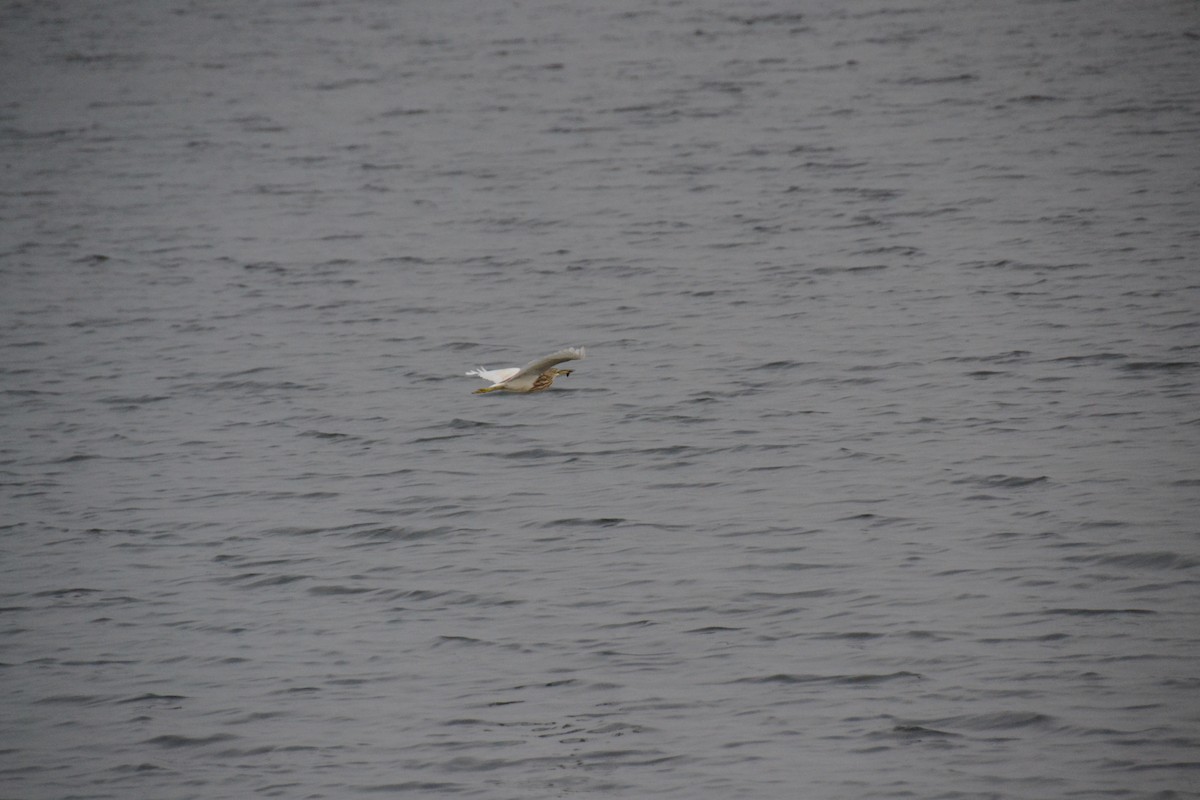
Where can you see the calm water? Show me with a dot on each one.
(879, 481)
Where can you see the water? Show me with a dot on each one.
(879, 480)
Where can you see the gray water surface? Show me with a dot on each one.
(879, 480)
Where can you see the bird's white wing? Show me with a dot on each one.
(546, 362)
(495, 375)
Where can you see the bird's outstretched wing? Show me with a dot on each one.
(546, 362)
(495, 375)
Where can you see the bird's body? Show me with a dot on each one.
(533, 377)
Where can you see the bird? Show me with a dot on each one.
(535, 376)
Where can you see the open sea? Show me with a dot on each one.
(881, 478)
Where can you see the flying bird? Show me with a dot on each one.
(533, 377)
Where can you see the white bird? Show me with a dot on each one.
(533, 377)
